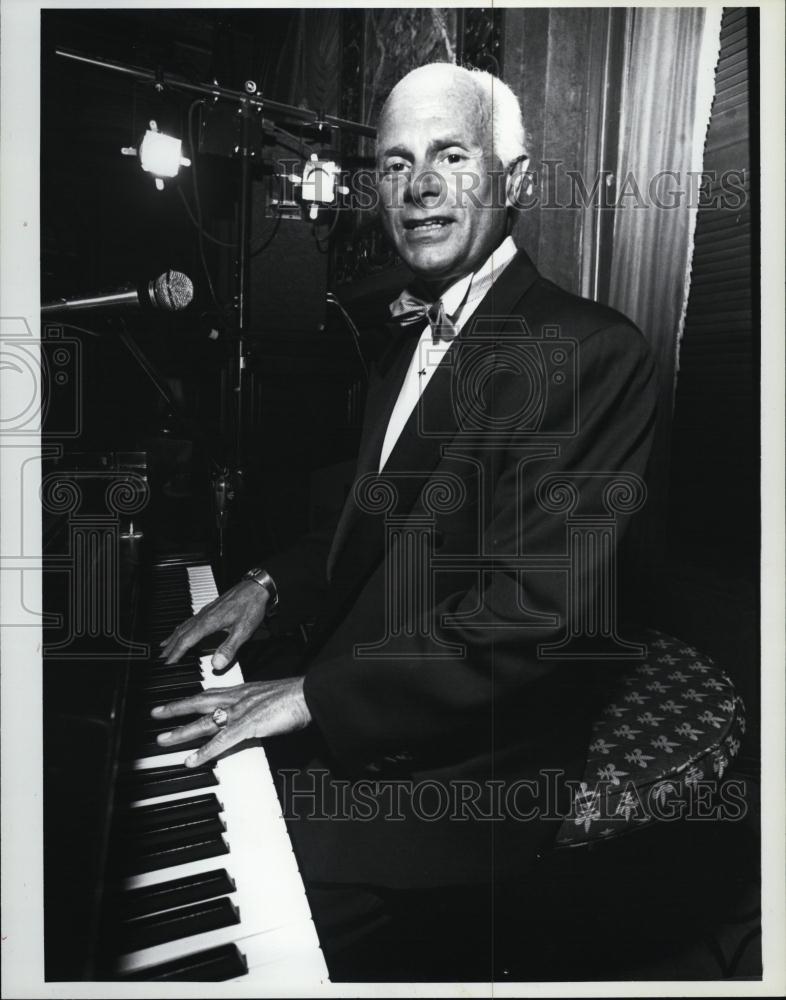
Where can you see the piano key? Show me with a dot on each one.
(199, 806)
(152, 748)
(176, 892)
(152, 725)
(170, 855)
(182, 922)
(214, 965)
(293, 948)
(184, 946)
(227, 678)
(163, 756)
(170, 832)
(155, 800)
(163, 693)
(191, 869)
(136, 785)
(161, 675)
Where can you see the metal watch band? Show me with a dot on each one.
(264, 579)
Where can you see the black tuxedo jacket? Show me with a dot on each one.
(427, 670)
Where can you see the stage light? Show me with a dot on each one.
(160, 155)
(318, 184)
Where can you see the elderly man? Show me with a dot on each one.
(439, 670)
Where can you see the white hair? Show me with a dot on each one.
(494, 97)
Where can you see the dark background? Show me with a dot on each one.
(104, 223)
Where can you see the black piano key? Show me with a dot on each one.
(153, 726)
(150, 782)
(182, 922)
(170, 598)
(172, 612)
(160, 673)
(136, 820)
(170, 692)
(214, 965)
(168, 855)
(199, 806)
(151, 748)
(181, 832)
(156, 663)
(175, 892)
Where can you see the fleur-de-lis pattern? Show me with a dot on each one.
(686, 729)
(638, 756)
(636, 698)
(648, 719)
(610, 773)
(663, 743)
(643, 747)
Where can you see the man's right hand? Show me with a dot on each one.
(239, 611)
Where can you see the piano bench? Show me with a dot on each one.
(670, 730)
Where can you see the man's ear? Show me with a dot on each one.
(518, 183)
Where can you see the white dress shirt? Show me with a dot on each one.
(459, 301)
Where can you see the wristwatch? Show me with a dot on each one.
(264, 579)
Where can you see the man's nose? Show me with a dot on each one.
(426, 187)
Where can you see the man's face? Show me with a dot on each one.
(442, 196)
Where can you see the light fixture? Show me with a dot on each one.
(160, 155)
(317, 185)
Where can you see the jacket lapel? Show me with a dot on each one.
(383, 391)
(429, 430)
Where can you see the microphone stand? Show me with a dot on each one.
(221, 487)
(227, 483)
(243, 302)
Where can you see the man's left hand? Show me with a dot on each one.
(258, 709)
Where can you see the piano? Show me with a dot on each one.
(154, 871)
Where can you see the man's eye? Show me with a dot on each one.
(396, 167)
(454, 158)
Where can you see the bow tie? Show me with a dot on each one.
(408, 309)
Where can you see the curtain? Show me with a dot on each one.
(666, 104)
(667, 98)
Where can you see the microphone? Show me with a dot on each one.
(170, 291)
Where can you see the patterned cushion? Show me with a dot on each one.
(669, 732)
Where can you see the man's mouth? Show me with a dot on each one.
(424, 225)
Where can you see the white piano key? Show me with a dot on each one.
(288, 952)
(173, 759)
